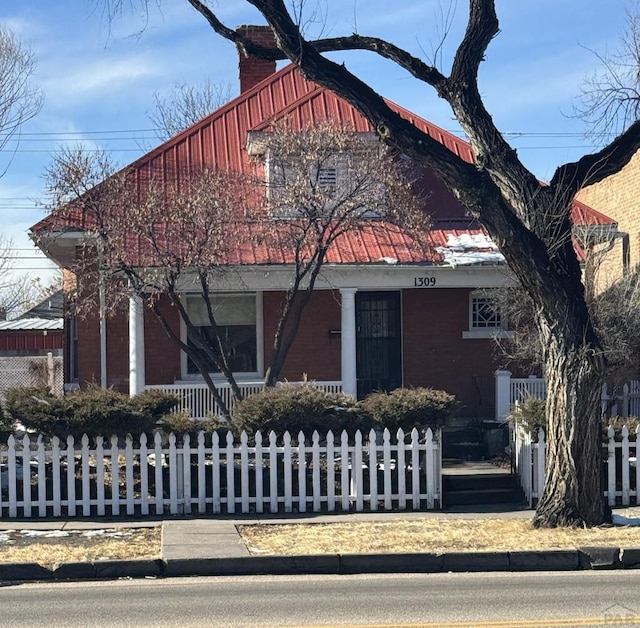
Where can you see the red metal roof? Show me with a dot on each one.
(219, 140)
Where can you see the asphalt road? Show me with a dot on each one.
(504, 599)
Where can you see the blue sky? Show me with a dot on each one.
(99, 78)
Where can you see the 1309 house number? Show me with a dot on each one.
(424, 282)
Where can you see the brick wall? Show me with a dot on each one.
(88, 330)
(162, 361)
(617, 197)
(162, 354)
(435, 354)
(314, 353)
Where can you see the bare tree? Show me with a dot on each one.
(17, 290)
(529, 221)
(19, 99)
(185, 105)
(610, 97)
(153, 236)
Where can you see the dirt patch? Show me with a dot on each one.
(52, 547)
(427, 535)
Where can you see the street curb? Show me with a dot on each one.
(583, 558)
(599, 557)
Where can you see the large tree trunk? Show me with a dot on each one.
(573, 493)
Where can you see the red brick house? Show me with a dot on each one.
(382, 315)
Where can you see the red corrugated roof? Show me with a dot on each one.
(219, 141)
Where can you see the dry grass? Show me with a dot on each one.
(427, 535)
(78, 547)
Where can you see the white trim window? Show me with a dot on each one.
(485, 319)
(236, 315)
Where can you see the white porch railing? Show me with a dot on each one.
(512, 390)
(197, 398)
(621, 470)
(111, 478)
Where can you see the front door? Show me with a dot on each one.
(378, 342)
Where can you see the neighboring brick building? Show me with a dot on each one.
(383, 314)
(618, 196)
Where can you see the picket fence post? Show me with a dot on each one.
(315, 471)
(373, 470)
(259, 465)
(400, 465)
(626, 485)
(611, 466)
(302, 473)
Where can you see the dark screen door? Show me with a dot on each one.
(378, 342)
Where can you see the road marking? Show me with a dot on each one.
(523, 623)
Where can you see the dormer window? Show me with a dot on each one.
(319, 174)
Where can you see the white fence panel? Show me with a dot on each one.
(86, 478)
(620, 469)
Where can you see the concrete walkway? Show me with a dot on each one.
(212, 546)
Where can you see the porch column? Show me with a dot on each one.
(136, 345)
(503, 394)
(348, 341)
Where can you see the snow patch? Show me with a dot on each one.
(49, 534)
(469, 249)
(621, 520)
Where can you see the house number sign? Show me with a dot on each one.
(424, 282)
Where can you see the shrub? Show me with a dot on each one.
(155, 403)
(618, 422)
(36, 408)
(180, 423)
(407, 408)
(93, 411)
(295, 407)
(530, 413)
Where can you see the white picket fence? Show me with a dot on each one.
(198, 400)
(45, 478)
(513, 390)
(620, 455)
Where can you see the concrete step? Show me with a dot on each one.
(485, 496)
(464, 450)
(479, 482)
(466, 443)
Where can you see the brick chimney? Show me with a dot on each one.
(252, 69)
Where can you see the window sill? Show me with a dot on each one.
(479, 334)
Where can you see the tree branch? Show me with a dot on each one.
(595, 167)
(481, 29)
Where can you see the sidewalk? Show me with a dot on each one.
(208, 546)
